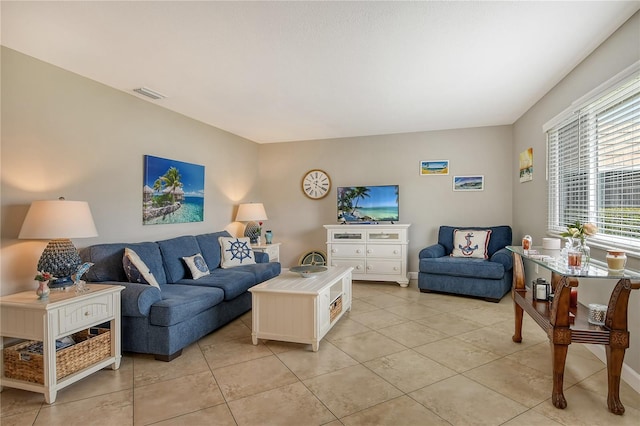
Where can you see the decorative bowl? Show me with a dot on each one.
(308, 271)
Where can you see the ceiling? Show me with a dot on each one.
(285, 71)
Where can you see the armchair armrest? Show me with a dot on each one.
(261, 257)
(136, 299)
(503, 256)
(434, 251)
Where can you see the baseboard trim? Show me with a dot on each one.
(413, 275)
(629, 375)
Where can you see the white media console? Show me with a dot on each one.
(375, 252)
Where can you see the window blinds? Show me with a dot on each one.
(594, 165)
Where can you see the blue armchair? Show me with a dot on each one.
(487, 278)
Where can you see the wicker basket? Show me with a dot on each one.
(29, 367)
(335, 309)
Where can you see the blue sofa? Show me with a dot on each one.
(162, 321)
(487, 278)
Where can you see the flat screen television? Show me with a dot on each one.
(378, 203)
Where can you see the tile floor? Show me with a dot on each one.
(400, 357)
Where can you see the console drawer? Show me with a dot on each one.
(393, 251)
(346, 236)
(347, 250)
(356, 264)
(385, 267)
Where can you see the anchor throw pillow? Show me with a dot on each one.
(472, 243)
(196, 265)
(236, 252)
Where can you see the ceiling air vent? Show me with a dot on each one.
(149, 93)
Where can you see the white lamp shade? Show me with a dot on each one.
(251, 212)
(55, 219)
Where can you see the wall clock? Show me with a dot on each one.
(316, 184)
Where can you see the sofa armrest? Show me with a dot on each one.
(503, 256)
(261, 257)
(433, 251)
(136, 299)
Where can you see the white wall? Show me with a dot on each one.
(65, 135)
(425, 201)
(529, 199)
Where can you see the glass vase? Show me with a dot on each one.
(579, 254)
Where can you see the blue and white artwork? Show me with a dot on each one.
(172, 191)
(468, 183)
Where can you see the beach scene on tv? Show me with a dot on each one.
(368, 203)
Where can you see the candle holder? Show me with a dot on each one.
(541, 289)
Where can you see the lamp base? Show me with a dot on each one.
(61, 283)
(252, 231)
(61, 259)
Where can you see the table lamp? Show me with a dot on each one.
(251, 212)
(59, 220)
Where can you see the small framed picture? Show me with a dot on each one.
(434, 167)
(468, 183)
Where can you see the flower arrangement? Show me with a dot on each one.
(44, 276)
(580, 230)
(259, 229)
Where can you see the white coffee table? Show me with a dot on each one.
(290, 308)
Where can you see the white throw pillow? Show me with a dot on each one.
(471, 243)
(136, 270)
(236, 252)
(197, 266)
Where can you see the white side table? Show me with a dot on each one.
(24, 316)
(273, 250)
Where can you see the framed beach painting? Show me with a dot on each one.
(468, 183)
(172, 191)
(526, 165)
(434, 167)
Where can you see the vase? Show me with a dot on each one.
(578, 255)
(43, 290)
(269, 237)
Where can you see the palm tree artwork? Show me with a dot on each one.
(178, 191)
(170, 182)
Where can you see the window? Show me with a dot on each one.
(594, 165)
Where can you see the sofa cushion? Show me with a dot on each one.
(173, 250)
(197, 266)
(233, 282)
(136, 270)
(182, 302)
(236, 252)
(462, 267)
(261, 271)
(107, 259)
(210, 247)
(471, 243)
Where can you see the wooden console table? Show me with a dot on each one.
(554, 317)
